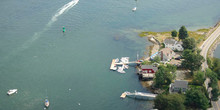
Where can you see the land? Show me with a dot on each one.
(206, 40)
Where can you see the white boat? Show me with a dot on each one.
(134, 9)
(126, 66)
(46, 103)
(120, 70)
(141, 95)
(12, 91)
(116, 60)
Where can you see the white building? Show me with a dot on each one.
(173, 44)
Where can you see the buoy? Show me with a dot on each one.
(64, 29)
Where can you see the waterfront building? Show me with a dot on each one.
(173, 44)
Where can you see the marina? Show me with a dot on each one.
(121, 64)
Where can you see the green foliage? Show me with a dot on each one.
(193, 60)
(196, 99)
(214, 83)
(189, 43)
(174, 33)
(170, 102)
(146, 62)
(198, 78)
(156, 59)
(183, 33)
(216, 66)
(163, 76)
(215, 94)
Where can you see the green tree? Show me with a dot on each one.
(174, 33)
(156, 59)
(216, 66)
(198, 78)
(170, 102)
(215, 94)
(213, 83)
(163, 76)
(183, 33)
(196, 99)
(189, 43)
(192, 60)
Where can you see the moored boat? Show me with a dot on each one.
(12, 91)
(46, 103)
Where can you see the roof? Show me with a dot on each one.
(149, 67)
(167, 51)
(180, 84)
(171, 41)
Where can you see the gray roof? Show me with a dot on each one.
(172, 41)
(180, 84)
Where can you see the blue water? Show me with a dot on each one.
(35, 56)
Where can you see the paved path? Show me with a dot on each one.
(207, 43)
(205, 47)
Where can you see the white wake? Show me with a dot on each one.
(59, 12)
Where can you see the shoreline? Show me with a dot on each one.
(155, 39)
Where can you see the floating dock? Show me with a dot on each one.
(139, 95)
(113, 65)
(123, 95)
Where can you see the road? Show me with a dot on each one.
(205, 47)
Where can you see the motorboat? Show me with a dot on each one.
(46, 103)
(134, 9)
(12, 91)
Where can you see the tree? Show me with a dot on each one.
(174, 33)
(216, 66)
(213, 83)
(192, 60)
(215, 94)
(196, 99)
(183, 33)
(163, 76)
(198, 78)
(170, 102)
(156, 59)
(189, 43)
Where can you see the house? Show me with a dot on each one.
(178, 85)
(173, 44)
(147, 72)
(166, 54)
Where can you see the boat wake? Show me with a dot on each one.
(59, 12)
(62, 10)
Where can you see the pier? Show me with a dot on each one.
(124, 62)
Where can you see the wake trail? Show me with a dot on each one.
(59, 12)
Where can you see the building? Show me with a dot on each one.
(173, 44)
(178, 85)
(166, 54)
(147, 72)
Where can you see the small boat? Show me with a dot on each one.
(46, 103)
(12, 91)
(134, 9)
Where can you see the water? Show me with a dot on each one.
(36, 56)
(217, 52)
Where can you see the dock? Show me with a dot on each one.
(113, 65)
(123, 95)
